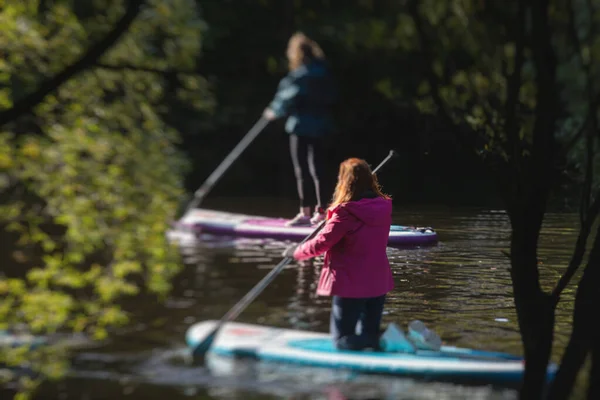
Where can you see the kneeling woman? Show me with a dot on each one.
(356, 270)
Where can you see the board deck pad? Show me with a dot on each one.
(226, 223)
(316, 349)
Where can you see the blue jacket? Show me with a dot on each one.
(305, 96)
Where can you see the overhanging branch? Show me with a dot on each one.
(141, 68)
(28, 102)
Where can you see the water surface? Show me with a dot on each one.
(459, 287)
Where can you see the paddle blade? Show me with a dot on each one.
(199, 351)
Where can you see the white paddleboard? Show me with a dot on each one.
(316, 349)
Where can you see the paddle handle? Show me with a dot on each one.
(391, 155)
(206, 187)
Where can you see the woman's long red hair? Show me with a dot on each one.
(354, 179)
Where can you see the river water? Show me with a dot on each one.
(459, 287)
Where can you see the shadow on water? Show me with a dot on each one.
(459, 287)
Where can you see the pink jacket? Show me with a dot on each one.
(354, 241)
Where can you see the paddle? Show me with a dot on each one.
(201, 193)
(204, 345)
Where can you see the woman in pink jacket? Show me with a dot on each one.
(356, 271)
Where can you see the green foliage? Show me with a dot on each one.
(579, 76)
(456, 58)
(471, 54)
(89, 184)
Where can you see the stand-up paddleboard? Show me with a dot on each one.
(9, 339)
(317, 350)
(225, 223)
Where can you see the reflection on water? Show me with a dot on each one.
(460, 287)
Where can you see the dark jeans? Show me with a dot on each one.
(355, 323)
(308, 159)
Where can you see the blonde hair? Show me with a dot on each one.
(301, 50)
(355, 177)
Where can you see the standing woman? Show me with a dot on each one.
(305, 96)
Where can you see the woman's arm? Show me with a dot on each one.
(286, 97)
(340, 223)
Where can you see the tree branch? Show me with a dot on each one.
(541, 171)
(587, 213)
(27, 103)
(514, 87)
(591, 117)
(569, 146)
(139, 68)
(580, 247)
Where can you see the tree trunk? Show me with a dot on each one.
(571, 363)
(589, 302)
(535, 309)
(535, 313)
(584, 335)
(594, 377)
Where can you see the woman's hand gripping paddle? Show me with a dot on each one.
(202, 347)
